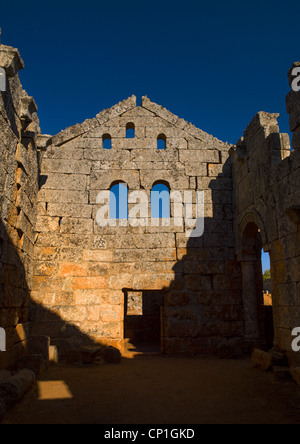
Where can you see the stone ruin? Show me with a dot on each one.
(67, 280)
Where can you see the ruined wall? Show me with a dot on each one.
(266, 193)
(76, 276)
(81, 270)
(18, 191)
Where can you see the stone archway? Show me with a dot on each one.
(252, 239)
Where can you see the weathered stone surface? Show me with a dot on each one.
(74, 274)
(262, 360)
(40, 345)
(14, 388)
(10, 60)
(112, 355)
(19, 171)
(53, 355)
(89, 354)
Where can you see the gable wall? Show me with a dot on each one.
(81, 269)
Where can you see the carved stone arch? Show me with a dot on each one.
(252, 236)
(253, 217)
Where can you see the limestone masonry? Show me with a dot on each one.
(64, 277)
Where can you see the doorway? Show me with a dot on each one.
(268, 300)
(142, 321)
(259, 327)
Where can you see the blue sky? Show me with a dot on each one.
(215, 64)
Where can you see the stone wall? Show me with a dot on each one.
(82, 270)
(267, 195)
(18, 190)
(76, 275)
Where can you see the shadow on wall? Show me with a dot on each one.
(201, 309)
(17, 310)
(14, 298)
(206, 315)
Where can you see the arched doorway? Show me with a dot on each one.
(259, 329)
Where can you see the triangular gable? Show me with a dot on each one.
(124, 107)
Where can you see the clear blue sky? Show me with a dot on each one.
(214, 63)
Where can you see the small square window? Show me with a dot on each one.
(107, 145)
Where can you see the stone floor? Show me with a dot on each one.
(160, 390)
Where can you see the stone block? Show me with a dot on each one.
(157, 255)
(100, 181)
(111, 314)
(10, 60)
(76, 226)
(93, 313)
(153, 282)
(90, 353)
(69, 210)
(71, 182)
(50, 284)
(63, 196)
(66, 166)
(68, 151)
(73, 270)
(97, 256)
(175, 298)
(47, 224)
(112, 356)
(90, 283)
(262, 360)
(200, 156)
(14, 388)
(196, 169)
(193, 282)
(40, 345)
(53, 355)
(175, 179)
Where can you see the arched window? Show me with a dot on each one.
(130, 131)
(118, 203)
(107, 141)
(160, 201)
(161, 142)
